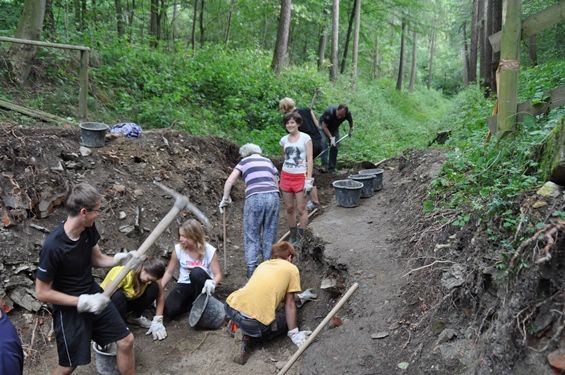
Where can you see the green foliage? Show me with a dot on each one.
(483, 180)
(535, 81)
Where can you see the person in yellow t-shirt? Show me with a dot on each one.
(253, 308)
(137, 291)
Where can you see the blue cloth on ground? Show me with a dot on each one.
(128, 129)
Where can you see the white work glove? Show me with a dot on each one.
(308, 185)
(332, 141)
(350, 132)
(209, 287)
(92, 303)
(122, 258)
(298, 337)
(224, 203)
(157, 328)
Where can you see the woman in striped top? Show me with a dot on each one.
(261, 209)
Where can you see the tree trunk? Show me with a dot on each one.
(282, 36)
(400, 78)
(357, 8)
(376, 69)
(94, 13)
(413, 67)
(472, 74)
(119, 18)
(174, 21)
(78, 22)
(532, 50)
(130, 17)
(509, 67)
(465, 55)
(193, 31)
(484, 67)
(431, 58)
(154, 23)
(83, 14)
(201, 22)
(488, 48)
(29, 27)
(49, 25)
(496, 27)
(335, 39)
(322, 47)
(228, 26)
(347, 37)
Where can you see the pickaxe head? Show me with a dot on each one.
(182, 203)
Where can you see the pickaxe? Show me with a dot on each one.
(327, 148)
(181, 203)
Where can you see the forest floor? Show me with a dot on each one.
(396, 322)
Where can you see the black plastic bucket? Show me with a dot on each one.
(206, 313)
(378, 172)
(368, 181)
(93, 134)
(347, 192)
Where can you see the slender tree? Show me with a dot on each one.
(509, 67)
(335, 39)
(357, 7)
(532, 50)
(322, 46)
(482, 41)
(282, 36)
(119, 18)
(412, 83)
(496, 27)
(154, 23)
(29, 27)
(431, 58)
(488, 73)
(465, 54)
(201, 23)
(193, 31)
(347, 37)
(400, 78)
(49, 22)
(472, 73)
(228, 25)
(376, 56)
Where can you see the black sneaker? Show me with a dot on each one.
(241, 351)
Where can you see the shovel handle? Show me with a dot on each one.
(225, 244)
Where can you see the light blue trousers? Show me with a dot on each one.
(260, 220)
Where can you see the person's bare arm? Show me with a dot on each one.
(45, 293)
(309, 159)
(216, 270)
(232, 179)
(160, 299)
(315, 119)
(101, 260)
(290, 311)
(170, 269)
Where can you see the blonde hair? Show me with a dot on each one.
(286, 105)
(193, 230)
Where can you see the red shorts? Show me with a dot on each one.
(292, 182)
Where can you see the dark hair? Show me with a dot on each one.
(292, 115)
(282, 250)
(343, 106)
(154, 267)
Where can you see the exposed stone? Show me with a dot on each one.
(549, 189)
(85, 151)
(557, 359)
(25, 298)
(453, 278)
(446, 335)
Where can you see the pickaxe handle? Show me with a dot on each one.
(181, 203)
(339, 140)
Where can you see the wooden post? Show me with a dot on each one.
(83, 93)
(509, 67)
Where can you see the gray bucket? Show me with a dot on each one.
(347, 192)
(93, 134)
(206, 313)
(105, 359)
(378, 172)
(368, 181)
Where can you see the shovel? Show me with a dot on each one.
(225, 245)
(339, 140)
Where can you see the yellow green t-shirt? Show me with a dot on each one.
(268, 286)
(126, 284)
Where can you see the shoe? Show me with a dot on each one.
(241, 351)
(140, 321)
(232, 328)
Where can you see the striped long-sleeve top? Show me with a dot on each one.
(259, 174)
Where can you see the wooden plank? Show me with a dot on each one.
(43, 44)
(83, 92)
(45, 116)
(535, 23)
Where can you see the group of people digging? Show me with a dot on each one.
(82, 312)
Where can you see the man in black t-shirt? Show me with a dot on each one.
(330, 121)
(64, 278)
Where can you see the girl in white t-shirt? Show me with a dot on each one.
(199, 269)
(296, 176)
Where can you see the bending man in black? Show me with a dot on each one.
(330, 121)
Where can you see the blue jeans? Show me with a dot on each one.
(261, 211)
(332, 162)
(255, 329)
(325, 143)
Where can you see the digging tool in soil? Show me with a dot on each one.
(225, 244)
(181, 203)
